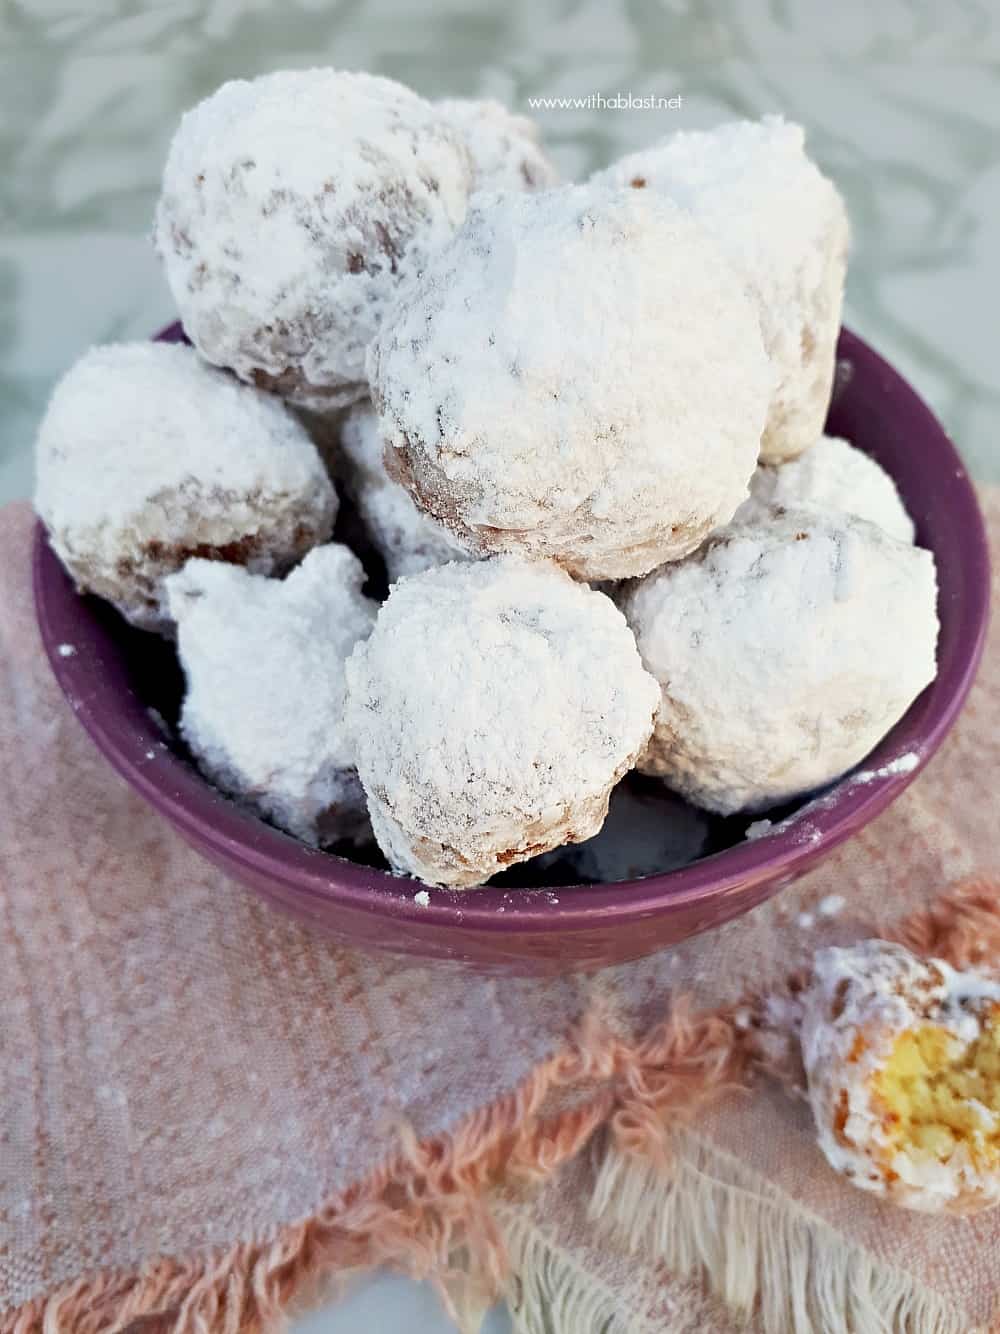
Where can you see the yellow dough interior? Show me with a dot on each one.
(939, 1092)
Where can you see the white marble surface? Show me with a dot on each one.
(388, 1304)
(901, 99)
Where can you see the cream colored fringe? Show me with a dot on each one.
(550, 1293)
(711, 1219)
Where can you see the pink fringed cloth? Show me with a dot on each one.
(208, 1116)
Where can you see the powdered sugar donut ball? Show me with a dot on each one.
(506, 150)
(264, 708)
(494, 708)
(902, 1057)
(408, 540)
(577, 375)
(147, 456)
(784, 227)
(291, 207)
(833, 476)
(785, 650)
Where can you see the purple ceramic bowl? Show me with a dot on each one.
(117, 676)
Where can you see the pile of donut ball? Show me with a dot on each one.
(582, 425)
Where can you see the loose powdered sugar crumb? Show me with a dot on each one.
(905, 764)
(161, 724)
(831, 905)
(800, 820)
(66, 650)
(422, 897)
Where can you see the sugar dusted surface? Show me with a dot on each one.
(579, 375)
(505, 149)
(832, 475)
(862, 998)
(408, 540)
(493, 708)
(146, 453)
(802, 821)
(292, 206)
(786, 650)
(784, 227)
(264, 664)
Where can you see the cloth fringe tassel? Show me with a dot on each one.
(551, 1294)
(427, 1213)
(713, 1221)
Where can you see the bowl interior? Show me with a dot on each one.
(125, 687)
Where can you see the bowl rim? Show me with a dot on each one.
(241, 839)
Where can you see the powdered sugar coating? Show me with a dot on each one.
(264, 663)
(147, 456)
(784, 227)
(506, 149)
(577, 375)
(831, 475)
(862, 998)
(408, 540)
(786, 649)
(494, 707)
(292, 206)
